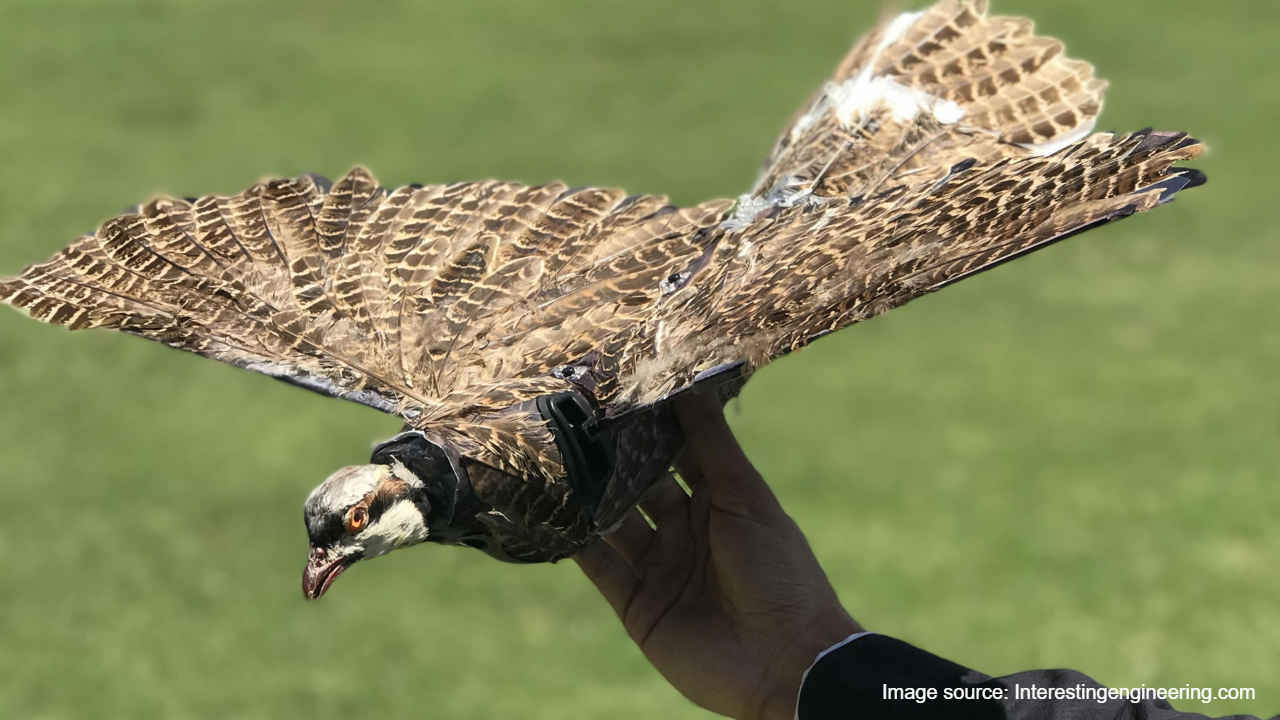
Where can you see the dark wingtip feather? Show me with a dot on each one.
(1187, 141)
(1178, 180)
(1195, 177)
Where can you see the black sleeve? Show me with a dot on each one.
(876, 676)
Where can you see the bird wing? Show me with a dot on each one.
(438, 302)
(947, 142)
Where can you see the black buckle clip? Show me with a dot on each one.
(586, 448)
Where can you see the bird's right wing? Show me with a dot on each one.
(445, 304)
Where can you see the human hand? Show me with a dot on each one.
(725, 597)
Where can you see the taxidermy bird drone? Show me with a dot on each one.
(532, 337)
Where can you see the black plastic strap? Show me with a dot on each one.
(587, 450)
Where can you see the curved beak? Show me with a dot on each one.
(323, 567)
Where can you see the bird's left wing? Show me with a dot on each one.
(948, 141)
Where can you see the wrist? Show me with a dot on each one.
(776, 699)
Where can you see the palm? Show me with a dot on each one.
(724, 597)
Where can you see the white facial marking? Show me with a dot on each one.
(404, 473)
(400, 525)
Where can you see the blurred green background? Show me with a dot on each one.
(1070, 461)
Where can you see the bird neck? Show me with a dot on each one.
(445, 491)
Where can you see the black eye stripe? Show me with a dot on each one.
(378, 506)
(328, 533)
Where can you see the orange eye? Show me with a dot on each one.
(357, 518)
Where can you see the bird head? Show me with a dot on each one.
(361, 511)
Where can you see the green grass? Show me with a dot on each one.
(1070, 461)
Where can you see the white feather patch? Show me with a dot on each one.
(858, 97)
(896, 29)
(892, 33)
(748, 207)
(863, 93)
